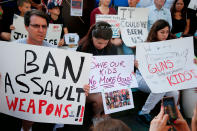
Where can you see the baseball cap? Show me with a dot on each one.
(52, 5)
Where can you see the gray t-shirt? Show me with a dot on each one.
(24, 41)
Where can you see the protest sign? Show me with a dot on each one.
(71, 38)
(76, 8)
(133, 25)
(53, 34)
(113, 20)
(115, 71)
(193, 4)
(43, 84)
(19, 31)
(168, 65)
(117, 100)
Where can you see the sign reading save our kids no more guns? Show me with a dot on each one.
(43, 84)
(168, 65)
(115, 71)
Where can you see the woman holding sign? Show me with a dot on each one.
(160, 31)
(103, 9)
(97, 42)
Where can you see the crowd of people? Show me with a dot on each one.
(167, 19)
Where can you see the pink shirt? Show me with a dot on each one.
(97, 11)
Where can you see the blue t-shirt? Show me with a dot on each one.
(24, 41)
(97, 3)
(155, 14)
(121, 3)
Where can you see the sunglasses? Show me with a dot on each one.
(36, 26)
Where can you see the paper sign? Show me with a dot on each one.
(113, 71)
(117, 100)
(19, 31)
(133, 25)
(193, 4)
(113, 20)
(43, 84)
(168, 65)
(76, 7)
(53, 34)
(71, 38)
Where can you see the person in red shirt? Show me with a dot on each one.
(102, 9)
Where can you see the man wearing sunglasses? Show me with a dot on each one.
(36, 23)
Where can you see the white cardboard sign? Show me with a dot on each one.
(113, 20)
(71, 38)
(20, 31)
(193, 4)
(43, 84)
(168, 65)
(115, 71)
(76, 8)
(53, 34)
(133, 25)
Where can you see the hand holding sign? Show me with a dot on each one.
(195, 61)
(61, 42)
(86, 88)
(18, 28)
(12, 27)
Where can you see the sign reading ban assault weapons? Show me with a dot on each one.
(43, 84)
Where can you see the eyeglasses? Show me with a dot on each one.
(36, 26)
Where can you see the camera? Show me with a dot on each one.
(170, 109)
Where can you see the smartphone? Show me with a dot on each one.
(170, 109)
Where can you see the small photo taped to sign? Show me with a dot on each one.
(71, 39)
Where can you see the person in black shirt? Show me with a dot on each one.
(180, 20)
(97, 42)
(8, 8)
